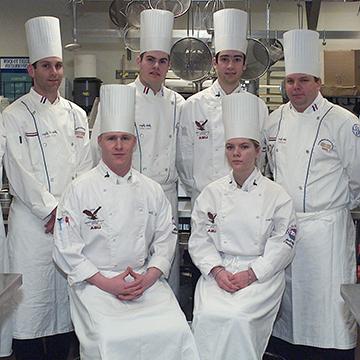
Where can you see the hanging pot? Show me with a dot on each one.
(177, 7)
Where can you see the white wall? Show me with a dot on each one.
(109, 51)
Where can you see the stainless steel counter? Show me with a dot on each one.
(9, 283)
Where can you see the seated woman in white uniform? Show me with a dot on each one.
(115, 239)
(243, 237)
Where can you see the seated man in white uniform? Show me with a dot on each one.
(314, 152)
(157, 112)
(115, 239)
(200, 153)
(242, 239)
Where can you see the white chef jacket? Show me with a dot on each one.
(239, 228)
(201, 155)
(315, 156)
(47, 146)
(107, 223)
(5, 311)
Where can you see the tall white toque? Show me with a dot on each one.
(43, 38)
(156, 30)
(230, 30)
(302, 52)
(240, 113)
(117, 108)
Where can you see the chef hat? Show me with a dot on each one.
(230, 30)
(240, 113)
(302, 52)
(117, 108)
(156, 30)
(43, 38)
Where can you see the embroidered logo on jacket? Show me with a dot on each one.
(80, 132)
(93, 221)
(91, 214)
(31, 134)
(49, 133)
(201, 132)
(356, 130)
(211, 226)
(290, 236)
(326, 145)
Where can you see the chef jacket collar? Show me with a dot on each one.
(146, 90)
(219, 92)
(314, 107)
(250, 183)
(112, 177)
(42, 99)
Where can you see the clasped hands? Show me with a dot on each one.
(125, 288)
(232, 282)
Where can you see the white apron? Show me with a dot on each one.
(106, 326)
(323, 259)
(235, 326)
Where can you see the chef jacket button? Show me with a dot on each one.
(73, 178)
(170, 136)
(166, 169)
(300, 187)
(110, 214)
(258, 217)
(72, 144)
(141, 210)
(45, 144)
(141, 135)
(277, 150)
(307, 151)
(318, 117)
(52, 179)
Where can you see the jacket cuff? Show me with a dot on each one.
(82, 272)
(262, 269)
(161, 263)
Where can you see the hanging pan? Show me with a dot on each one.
(257, 60)
(133, 10)
(132, 38)
(191, 58)
(117, 13)
(177, 7)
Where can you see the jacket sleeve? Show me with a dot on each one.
(83, 152)
(95, 149)
(280, 246)
(185, 147)
(202, 248)
(348, 138)
(19, 170)
(162, 247)
(69, 245)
